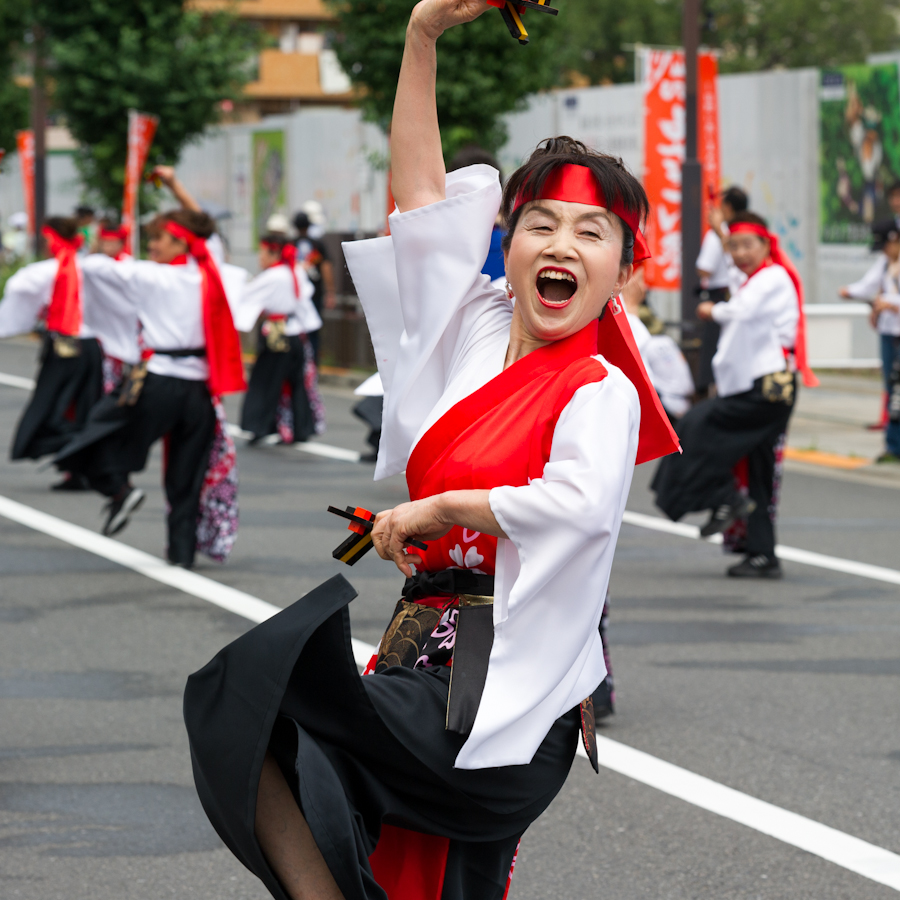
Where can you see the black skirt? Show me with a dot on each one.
(715, 435)
(67, 387)
(271, 371)
(357, 752)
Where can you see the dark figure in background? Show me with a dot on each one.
(313, 255)
(714, 266)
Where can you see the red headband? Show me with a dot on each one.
(223, 346)
(578, 184)
(114, 234)
(750, 228)
(783, 260)
(287, 257)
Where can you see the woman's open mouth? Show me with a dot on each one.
(556, 287)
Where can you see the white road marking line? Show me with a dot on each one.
(861, 857)
(794, 554)
(16, 381)
(312, 447)
(654, 523)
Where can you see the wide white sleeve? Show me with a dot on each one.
(216, 249)
(711, 252)
(27, 292)
(423, 292)
(112, 275)
(306, 312)
(234, 280)
(748, 303)
(869, 286)
(552, 575)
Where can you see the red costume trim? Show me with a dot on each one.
(576, 184)
(288, 257)
(782, 259)
(223, 346)
(64, 314)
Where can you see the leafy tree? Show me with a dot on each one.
(763, 34)
(596, 32)
(108, 56)
(482, 71)
(13, 99)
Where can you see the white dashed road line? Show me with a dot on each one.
(861, 857)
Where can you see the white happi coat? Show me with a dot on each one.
(440, 332)
(272, 292)
(759, 323)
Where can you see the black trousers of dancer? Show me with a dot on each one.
(270, 371)
(67, 387)
(715, 435)
(117, 441)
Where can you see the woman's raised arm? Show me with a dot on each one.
(417, 163)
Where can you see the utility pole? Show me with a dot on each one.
(691, 174)
(39, 126)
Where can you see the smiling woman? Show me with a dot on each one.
(518, 417)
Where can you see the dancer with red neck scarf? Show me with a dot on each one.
(761, 352)
(191, 356)
(518, 426)
(283, 396)
(78, 328)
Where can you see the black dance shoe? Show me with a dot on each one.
(119, 510)
(722, 517)
(759, 566)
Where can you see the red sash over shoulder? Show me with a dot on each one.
(499, 435)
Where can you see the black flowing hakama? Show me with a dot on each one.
(715, 435)
(271, 372)
(70, 382)
(116, 441)
(357, 752)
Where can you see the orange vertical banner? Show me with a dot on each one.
(664, 129)
(664, 133)
(141, 129)
(25, 148)
(708, 126)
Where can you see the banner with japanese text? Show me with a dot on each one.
(141, 129)
(25, 148)
(664, 134)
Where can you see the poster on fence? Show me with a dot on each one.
(859, 149)
(664, 135)
(269, 179)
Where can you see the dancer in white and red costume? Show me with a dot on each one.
(191, 357)
(518, 426)
(283, 395)
(761, 350)
(81, 328)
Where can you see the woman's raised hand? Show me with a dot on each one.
(434, 17)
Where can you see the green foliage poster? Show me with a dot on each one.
(269, 181)
(859, 149)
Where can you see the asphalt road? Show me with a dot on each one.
(788, 691)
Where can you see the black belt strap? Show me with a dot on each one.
(182, 354)
(448, 582)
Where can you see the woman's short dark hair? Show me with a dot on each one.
(736, 198)
(751, 218)
(275, 238)
(65, 226)
(616, 183)
(199, 223)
